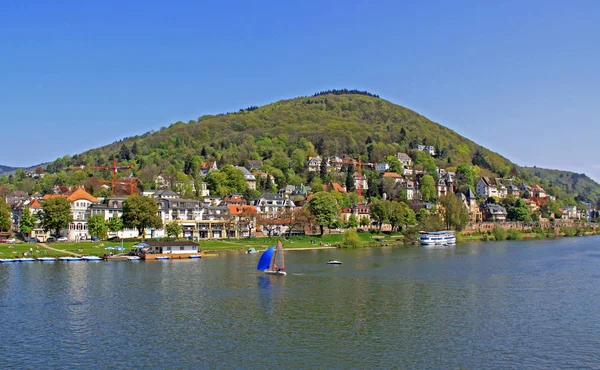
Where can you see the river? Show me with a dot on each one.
(529, 304)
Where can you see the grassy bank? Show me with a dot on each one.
(36, 250)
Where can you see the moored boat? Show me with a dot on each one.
(437, 238)
(162, 258)
(46, 259)
(91, 258)
(69, 259)
(195, 256)
(24, 259)
(6, 260)
(133, 258)
(252, 251)
(334, 262)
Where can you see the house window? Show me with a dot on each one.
(180, 248)
(168, 248)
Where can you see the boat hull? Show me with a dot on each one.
(334, 262)
(270, 272)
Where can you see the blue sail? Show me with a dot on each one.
(265, 260)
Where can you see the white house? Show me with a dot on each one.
(404, 159)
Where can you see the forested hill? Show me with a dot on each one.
(577, 185)
(327, 123)
(285, 133)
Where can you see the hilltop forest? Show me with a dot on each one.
(286, 133)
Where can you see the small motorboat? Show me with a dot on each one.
(162, 258)
(91, 258)
(195, 256)
(334, 262)
(133, 258)
(25, 259)
(70, 259)
(252, 251)
(46, 259)
(6, 260)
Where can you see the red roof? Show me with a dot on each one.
(80, 193)
(392, 175)
(35, 204)
(238, 210)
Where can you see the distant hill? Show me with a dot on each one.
(4, 169)
(580, 186)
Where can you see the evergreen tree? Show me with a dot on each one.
(349, 181)
(124, 152)
(323, 169)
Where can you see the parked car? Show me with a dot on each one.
(3, 240)
(11, 240)
(62, 239)
(94, 238)
(51, 239)
(33, 240)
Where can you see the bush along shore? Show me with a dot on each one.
(500, 234)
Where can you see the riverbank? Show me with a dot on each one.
(294, 243)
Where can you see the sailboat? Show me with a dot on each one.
(271, 261)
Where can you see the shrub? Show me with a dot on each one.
(513, 234)
(569, 231)
(499, 233)
(350, 239)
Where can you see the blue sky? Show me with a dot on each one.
(519, 77)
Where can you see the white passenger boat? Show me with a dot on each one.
(437, 238)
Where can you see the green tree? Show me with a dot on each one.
(97, 226)
(115, 224)
(56, 214)
(173, 229)
(182, 185)
(456, 214)
(400, 215)
(5, 221)
(380, 211)
(428, 190)
(464, 178)
(352, 221)
(141, 213)
(395, 164)
(27, 222)
(325, 208)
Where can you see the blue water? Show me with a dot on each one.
(531, 304)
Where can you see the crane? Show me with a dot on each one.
(113, 169)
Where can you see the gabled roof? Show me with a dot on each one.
(35, 204)
(79, 194)
(470, 195)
